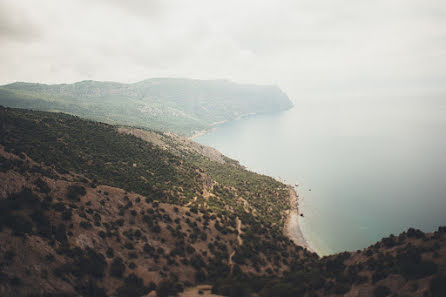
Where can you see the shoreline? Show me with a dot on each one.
(292, 228)
(200, 133)
(214, 125)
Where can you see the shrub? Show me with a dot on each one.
(381, 291)
(66, 215)
(438, 286)
(74, 192)
(411, 232)
(148, 249)
(117, 268)
(91, 289)
(165, 288)
(94, 264)
(42, 185)
(133, 287)
(85, 225)
(102, 234)
(110, 253)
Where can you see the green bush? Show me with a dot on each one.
(133, 287)
(117, 268)
(438, 286)
(74, 192)
(381, 291)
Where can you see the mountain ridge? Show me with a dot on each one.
(182, 106)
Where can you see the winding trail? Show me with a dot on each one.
(239, 241)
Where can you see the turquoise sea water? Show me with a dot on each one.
(365, 167)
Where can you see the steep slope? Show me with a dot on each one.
(89, 209)
(76, 192)
(182, 106)
(410, 264)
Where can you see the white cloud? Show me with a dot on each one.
(303, 46)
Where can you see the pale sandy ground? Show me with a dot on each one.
(292, 227)
(200, 133)
(194, 292)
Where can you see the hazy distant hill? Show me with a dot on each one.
(182, 106)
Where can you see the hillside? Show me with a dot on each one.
(113, 190)
(90, 209)
(182, 106)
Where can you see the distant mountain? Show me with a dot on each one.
(182, 106)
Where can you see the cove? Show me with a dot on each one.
(365, 167)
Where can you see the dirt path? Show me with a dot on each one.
(239, 231)
(239, 241)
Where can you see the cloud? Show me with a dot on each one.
(303, 46)
(15, 25)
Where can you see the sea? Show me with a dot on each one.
(363, 167)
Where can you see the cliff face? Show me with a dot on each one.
(182, 106)
(89, 209)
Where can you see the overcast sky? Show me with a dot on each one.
(303, 46)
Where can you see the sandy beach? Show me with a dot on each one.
(292, 227)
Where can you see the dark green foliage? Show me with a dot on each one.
(8, 257)
(85, 225)
(66, 215)
(381, 291)
(60, 294)
(110, 252)
(74, 192)
(166, 288)
(240, 289)
(117, 268)
(411, 266)
(389, 242)
(438, 286)
(200, 276)
(133, 287)
(148, 249)
(42, 185)
(22, 212)
(415, 233)
(91, 289)
(85, 262)
(89, 146)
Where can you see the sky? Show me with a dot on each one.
(303, 46)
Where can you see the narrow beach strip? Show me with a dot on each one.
(292, 227)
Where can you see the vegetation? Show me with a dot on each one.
(109, 214)
(98, 152)
(163, 104)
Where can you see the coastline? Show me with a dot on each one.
(214, 125)
(292, 228)
(200, 133)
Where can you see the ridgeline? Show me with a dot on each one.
(182, 106)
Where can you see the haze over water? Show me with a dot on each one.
(366, 167)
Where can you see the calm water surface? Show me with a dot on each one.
(366, 167)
